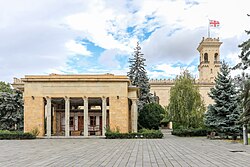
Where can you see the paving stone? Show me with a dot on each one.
(169, 151)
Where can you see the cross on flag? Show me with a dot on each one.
(214, 23)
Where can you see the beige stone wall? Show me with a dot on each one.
(34, 114)
(162, 90)
(118, 113)
(117, 91)
(76, 89)
(208, 69)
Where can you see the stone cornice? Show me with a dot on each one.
(75, 78)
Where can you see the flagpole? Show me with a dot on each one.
(208, 29)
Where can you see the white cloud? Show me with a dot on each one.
(36, 37)
(109, 59)
(170, 71)
(77, 48)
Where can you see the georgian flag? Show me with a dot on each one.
(214, 23)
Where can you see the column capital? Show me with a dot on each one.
(48, 98)
(66, 98)
(84, 97)
(134, 100)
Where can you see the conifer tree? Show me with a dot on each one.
(223, 116)
(138, 77)
(11, 110)
(245, 53)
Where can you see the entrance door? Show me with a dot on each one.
(80, 123)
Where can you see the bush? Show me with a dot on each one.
(143, 134)
(10, 135)
(190, 132)
(150, 116)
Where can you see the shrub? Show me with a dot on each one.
(10, 135)
(143, 134)
(190, 132)
(150, 116)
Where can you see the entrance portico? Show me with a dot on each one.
(78, 105)
(70, 120)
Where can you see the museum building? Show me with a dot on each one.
(88, 105)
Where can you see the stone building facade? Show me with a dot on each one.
(78, 105)
(209, 66)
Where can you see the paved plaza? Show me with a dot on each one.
(169, 151)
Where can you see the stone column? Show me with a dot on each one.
(67, 114)
(48, 122)
(134, 114)
(86, 116)
(104, 115)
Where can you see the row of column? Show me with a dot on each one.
(67, 116)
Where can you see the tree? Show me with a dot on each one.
(223, 116)
(5, 87)
(166, 116)
(150, 116)
(138, 77)
(186, 105)
(244, 64)
(245, 96)
(245, 53)
(11, 111)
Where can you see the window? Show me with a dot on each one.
(216, 57)
(206, 57)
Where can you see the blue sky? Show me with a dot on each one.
(98, 36)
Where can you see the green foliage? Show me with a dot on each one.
(11, 111)
(166, 116)
(244, 56)
(143, 134)
(245, 97)
(5, 87)
(10, 135)
(224, 115)
(186, 105)
(138, 77)
(150, 116)
(190, 132)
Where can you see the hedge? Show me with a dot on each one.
(11, 135)
(148, 134)
(190, 132)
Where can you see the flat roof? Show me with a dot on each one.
(76, 77)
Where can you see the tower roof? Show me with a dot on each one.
(209, 42)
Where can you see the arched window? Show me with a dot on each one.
(206, 57)
(216, 57)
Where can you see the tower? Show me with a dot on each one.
(209, 66)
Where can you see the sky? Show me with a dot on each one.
(99, 36)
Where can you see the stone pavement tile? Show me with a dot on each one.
(170, 151)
